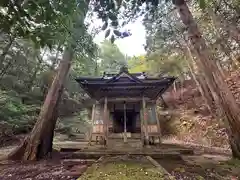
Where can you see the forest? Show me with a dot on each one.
(45, 45)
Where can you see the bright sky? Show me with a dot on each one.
(132, 45)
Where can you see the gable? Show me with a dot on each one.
(124, 77)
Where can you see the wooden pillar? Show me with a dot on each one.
(125, 123)
(142, 127)
(158, 123)
(93, 120)
(145, 121)
(105, 116)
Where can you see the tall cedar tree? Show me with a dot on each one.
(213, 76)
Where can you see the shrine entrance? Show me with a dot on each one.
(118, 121)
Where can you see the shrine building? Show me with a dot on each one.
(125, 105)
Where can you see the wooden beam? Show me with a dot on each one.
(131, 87)
(145, 120)
(142, 126)
(127, 99)
(158, 123)
(125, 123)
(105, 116)
(161, 82)
(93, 119)
(124, 95)
(150, 93)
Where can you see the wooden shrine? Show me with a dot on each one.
(125, 104)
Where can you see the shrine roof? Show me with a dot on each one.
(125, 84)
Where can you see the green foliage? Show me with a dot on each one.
(44, 22)
(15, 115)
(77, 123)
(111, 58)
(202, 3)
(174, 65)
(33, 36)
(138, 64)
(24, 84)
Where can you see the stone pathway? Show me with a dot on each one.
(125, 168)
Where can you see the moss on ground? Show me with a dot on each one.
(232, 162)
(122, 171)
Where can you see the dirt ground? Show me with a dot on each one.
(203, 168)
(42, 170)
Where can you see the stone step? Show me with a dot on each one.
(120, 135)
(121, 144)
(125, 145)
(73, 162)
(98, 154)
(182, 151)
(122, 141)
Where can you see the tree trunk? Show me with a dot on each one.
(206, 90)
(223, 43)
(39, 143)
(207, 87)
(212, 75)
(221, 68)
(199, 80)
(48, 140)
(206, 98)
